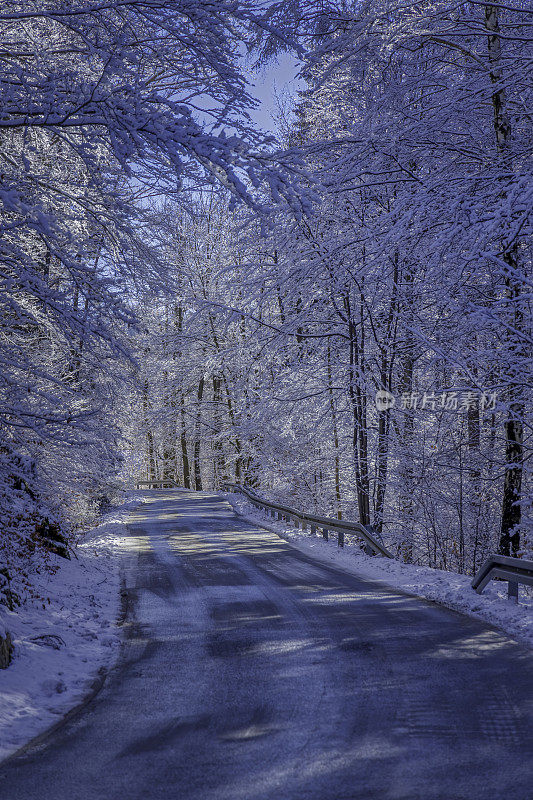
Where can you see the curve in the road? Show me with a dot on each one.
(252, 672)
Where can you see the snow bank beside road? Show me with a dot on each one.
(63, 639)
(447, 588)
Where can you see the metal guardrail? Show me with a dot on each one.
(325, 524)
(512, 570)
(167, 484)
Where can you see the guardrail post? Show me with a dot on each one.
(512, 570)
(316, 523)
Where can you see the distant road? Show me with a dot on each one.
(252, 672)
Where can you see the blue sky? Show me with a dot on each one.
(277, 78)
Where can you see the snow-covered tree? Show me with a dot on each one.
(104, 108)
(410, 276)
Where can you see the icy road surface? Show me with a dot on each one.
(252, 672)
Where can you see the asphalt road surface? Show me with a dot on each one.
(252, 672)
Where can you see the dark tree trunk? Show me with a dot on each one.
(358, 403)
(219, 463)
(512, 485)
(150, 455)
(336, 458)
(197, 439)
(387, 352)
(513, 426)
(406, 383)
(183, 442)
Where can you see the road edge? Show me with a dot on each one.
(522, 640)
(94, 684)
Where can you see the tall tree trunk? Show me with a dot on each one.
(406, 383)
(514, 433)
(336, 457)
(473, 425)
(169, 444)
(219, 462)
(150, 455)
(387, 359)
(222, 381)
(231, 415)
(513, 426)
(197, 437)
(358, 404)
(178, 321)
(183, 442)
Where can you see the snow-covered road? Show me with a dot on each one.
(253, 672)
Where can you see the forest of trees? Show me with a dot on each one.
(186, 297)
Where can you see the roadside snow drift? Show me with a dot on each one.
(64, 639)
(448, 588)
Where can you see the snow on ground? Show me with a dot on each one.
(61, 645)
(48, 676)
(447, 588)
